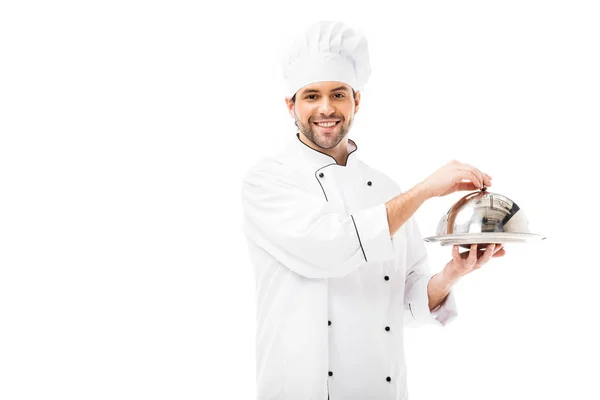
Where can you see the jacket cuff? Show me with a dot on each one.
(373, 233)
(442, 315)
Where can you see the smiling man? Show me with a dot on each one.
(341, 267)
(336, 105)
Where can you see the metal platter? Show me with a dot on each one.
(467, 239)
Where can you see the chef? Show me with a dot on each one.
(341, 267)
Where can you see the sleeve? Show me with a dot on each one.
(416, 299)
(305, 232)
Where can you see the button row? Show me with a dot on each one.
(389, 379)
(321, 175)
(387, 278)
(387, 328)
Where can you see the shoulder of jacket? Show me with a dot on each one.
(269, 167)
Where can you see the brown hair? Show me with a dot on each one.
(353, 95)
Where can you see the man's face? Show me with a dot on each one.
(322, 102)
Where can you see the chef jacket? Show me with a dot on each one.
(333, 289)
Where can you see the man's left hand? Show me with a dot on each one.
(468, 261)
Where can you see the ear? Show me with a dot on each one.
(290, 106)
(356, 102)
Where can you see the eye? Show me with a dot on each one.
(341, 94)
(310, 95)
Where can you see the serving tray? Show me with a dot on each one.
(483, 238)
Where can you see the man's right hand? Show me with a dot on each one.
(445, 180)
(449, 179)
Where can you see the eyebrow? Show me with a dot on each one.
(344, 88)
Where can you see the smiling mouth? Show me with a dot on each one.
(327, 126)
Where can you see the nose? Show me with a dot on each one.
(325, 107)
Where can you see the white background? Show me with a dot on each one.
(126, 128)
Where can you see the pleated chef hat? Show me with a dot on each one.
(327, 51)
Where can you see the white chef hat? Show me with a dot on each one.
(327, 51)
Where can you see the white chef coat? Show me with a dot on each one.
(333, 290)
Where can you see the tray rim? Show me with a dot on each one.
(491, 237)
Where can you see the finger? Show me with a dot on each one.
(498, 247)
(489, 251)
(478, 173)
(472, 258)
(469, 175)
(475, 171)
(472, 176)
(499, 253)
(486, 255)
(487, 180)
(455, 255)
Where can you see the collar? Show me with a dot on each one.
(321, 159)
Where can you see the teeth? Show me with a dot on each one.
(326, 124)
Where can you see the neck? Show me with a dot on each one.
(339, 152)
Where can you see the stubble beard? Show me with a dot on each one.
(325, 141)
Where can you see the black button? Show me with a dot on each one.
(328, 323)
(387, 328)
(369, 183)
(388, 379)
(330, 373)
(387, 278)
(321, 175)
